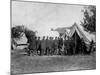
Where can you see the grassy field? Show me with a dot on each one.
(31, 64)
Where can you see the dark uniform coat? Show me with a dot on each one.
(38, 44)
(32, 43)
(47, 46)
(60, 43)
(50, 46)
(43, 46)
(56, 46)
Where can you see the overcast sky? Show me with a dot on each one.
(41, 17)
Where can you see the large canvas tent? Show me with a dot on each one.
(69, 31)
(76, 29)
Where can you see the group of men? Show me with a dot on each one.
(56, 46)
(46, 46)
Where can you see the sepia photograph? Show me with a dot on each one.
(52, 37)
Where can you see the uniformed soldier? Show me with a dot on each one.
(32, 45)
(38, 46)
(60, 44)
(47, 45)
(50, 45)
(56, 46)
(43, 46)
(31, 40)
(65, 45)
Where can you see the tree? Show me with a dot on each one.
(31, 40)
(30, 35)
(89, 19)
(17, 32)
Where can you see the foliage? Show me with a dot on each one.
(16, 32)
(30, 35)
(89, 20)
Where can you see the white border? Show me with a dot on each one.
(86, 2)
(5, 36)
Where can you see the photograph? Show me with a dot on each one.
(52, 37)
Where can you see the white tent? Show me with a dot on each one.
(79, 32)
(22, 40)
(69, 31)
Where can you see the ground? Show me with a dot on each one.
(31, 64)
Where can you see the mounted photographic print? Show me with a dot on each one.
(52, 37)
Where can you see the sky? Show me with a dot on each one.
(44, 16)
(41, 17)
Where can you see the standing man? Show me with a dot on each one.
(32, 45)
(65, 44)
(31, 40)
(56, 46)
(60, 45)
(47, 46)
(50, 46)
(38, 46)
(43, 46)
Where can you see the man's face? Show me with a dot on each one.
(47, 37)
(38, 38)
(35, 37)
(55, 38)
(43, 37)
